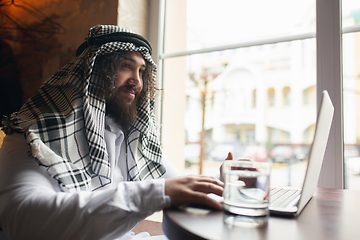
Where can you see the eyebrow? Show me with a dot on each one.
(133, 61)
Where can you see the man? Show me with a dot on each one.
(82, 159)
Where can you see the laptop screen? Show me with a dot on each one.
(317, 150)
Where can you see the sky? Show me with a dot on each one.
(214, 22)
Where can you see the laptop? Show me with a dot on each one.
(288, 201)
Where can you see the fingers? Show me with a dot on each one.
(203, 199)
(193, 189)
(208, 179)
(209, 187)
(229, 156)
(205, 184)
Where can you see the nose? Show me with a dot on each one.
(136, 80)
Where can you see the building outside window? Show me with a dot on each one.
(253, 81)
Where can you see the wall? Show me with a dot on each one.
(173, 96)
(51, 32)
(134, 15)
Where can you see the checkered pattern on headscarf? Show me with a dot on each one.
(64, 123)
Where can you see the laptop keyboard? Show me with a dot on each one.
(283, 197)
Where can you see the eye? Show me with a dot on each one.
(125, 65)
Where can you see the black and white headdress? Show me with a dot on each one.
(64, 122)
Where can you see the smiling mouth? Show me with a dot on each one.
(129, 92)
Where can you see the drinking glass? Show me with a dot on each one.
(246, 192)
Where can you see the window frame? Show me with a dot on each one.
(329, 77)
(329, 72)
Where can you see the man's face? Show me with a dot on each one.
(128, 85)
(129, 82)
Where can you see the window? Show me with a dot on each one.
(309, 133)
(351, 93)
(309, 95)
(271, 97)
(254, 99)
(250, 136)
(286, 96)
(258, 50)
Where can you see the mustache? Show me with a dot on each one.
(128, 88)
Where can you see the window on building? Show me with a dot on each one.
(271, 97)
(286, 96)
(254, 98)
(309, 133)
(309, 95)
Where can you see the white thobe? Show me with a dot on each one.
(33, 207)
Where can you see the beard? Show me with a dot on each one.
(119, 110)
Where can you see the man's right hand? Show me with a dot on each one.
(194, 189)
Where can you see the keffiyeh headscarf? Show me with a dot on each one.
(64, 122)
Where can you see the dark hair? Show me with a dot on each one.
(109, 64)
